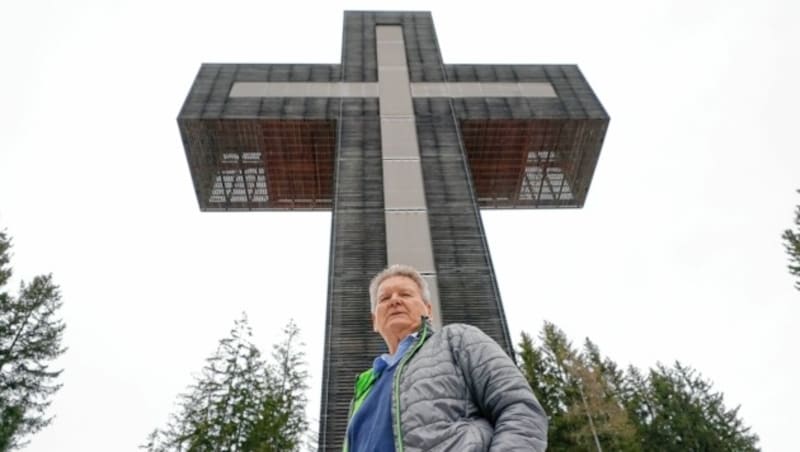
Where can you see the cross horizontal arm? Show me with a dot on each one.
(303, 89)
(342, 89)
(483, 89)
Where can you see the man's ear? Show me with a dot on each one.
(374, 327)
(429, 307)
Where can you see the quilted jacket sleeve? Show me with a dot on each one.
(501, 392)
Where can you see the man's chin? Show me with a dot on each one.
(401, 324)
(397, 321)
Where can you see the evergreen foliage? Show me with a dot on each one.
(241, 402)
(580, 399)
(791, 241)
(677, 410)
(30, 339)
(593, 405)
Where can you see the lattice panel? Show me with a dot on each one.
(524, 163)
(249, 164)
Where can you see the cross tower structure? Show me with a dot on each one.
(405, 150)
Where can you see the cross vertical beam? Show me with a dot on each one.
(408, 239)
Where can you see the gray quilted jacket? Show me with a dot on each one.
(459, 391)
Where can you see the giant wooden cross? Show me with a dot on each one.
(404, 150)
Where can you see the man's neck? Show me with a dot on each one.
(393, 340)
(396, 342)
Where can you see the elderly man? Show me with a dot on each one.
(453, 389)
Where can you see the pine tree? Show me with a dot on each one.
(240, 402)
(677, 410)
(584, 411)
(30, 339)
(635, 395)
(601, 403)
(791, 241)
(282, 423)
(593, 405)
(532, 365)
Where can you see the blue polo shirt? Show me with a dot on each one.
(370, 428)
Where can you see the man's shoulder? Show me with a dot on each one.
(461, 333)
(462, 328)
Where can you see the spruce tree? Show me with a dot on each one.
(582, 405)
(30, 339)
(241, 402)
(282, 422)
(593, 405)
(791, 241)
(678, 410)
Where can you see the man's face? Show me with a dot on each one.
(399, 308)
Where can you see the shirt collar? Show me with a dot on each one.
(386, 360)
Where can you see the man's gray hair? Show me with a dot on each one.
(398, 270)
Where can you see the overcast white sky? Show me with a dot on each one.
(677, 254)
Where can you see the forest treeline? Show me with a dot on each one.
(594, 405)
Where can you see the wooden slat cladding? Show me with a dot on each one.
(358, 252)
(468, 290)
(255, 164)
(298, 158)
(517, 163)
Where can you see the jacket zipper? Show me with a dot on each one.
(398, 437)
